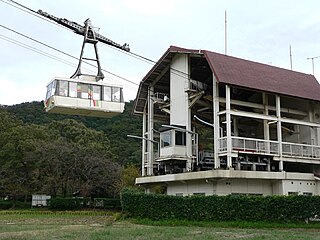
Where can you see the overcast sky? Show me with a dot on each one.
(257, 30)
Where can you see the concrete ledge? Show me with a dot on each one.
(224, 174)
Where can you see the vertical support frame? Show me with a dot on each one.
(150, 132)
(144, 129)
(279, 131)
(228, 126)
(216, 122)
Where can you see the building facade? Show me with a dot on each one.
(216, 124)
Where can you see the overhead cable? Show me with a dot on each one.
(67, 54)
(8, 39)
(135, 55)
(29, 11)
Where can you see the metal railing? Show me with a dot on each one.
(260, 146)
(197, 85)
(300, 150)
(161, 97)
(255, 145)
(222, 144)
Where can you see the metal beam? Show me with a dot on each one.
(270, 118)
(161, 75)
(261, 106)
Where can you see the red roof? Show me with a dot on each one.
(239, 72)
(244, 73)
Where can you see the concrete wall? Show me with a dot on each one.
(190, 188)
(299, 187)
(178, 96)
(220, 187)
(243, 186)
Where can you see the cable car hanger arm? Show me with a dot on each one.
(81, 30)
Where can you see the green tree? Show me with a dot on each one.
(128, 177)
(18, 161)
(125, 150)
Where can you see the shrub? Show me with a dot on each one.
(107, 203)
(5, 204)
(22, 205)
(66, 203)
(220, 208)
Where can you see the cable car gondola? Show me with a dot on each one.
(84, 94)
(80, 97)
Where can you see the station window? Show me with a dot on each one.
(307, 193)
(165, 139)
(116, 94)
(180, 138)
(107, 94)
(72, 89)
(62, 88)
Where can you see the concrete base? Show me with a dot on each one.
(225, 182)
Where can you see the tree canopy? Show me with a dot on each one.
(63, 155)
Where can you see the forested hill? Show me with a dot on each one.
(125, 150)
(60, 154)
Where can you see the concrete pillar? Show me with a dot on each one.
(150, 132)
(279, 131)
(254, 167)
(266, 131)
(228, 127)
(235, 126)
(144, 128)
(312, 129)
(238, 165)
(189, 165)
(180, 113)
(266, 112)
(216, 122)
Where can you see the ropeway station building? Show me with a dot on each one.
(216, 124)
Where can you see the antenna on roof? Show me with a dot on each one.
(225, 32)
(312, 59)
(290, 56)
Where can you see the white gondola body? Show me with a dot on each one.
(81, 97)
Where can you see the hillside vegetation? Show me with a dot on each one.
(61, 154)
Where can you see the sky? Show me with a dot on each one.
(260, 31)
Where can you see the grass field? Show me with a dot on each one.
(101, 225)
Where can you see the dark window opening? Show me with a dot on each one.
(180, 138)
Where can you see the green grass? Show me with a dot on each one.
(37, 225)
(226, 224)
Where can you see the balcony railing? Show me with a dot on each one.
(260, 146)
(300, 150)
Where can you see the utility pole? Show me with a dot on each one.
(225, 32)
(312, 59)
(290, 56)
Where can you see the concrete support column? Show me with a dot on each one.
(279, 131)
(235, 126)
(312, 129)
(228, 127)
(254, 167)
(216, 122)
(189, 165)
(266, 131)
(150, 132)
(144, 129)
(180, 112)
